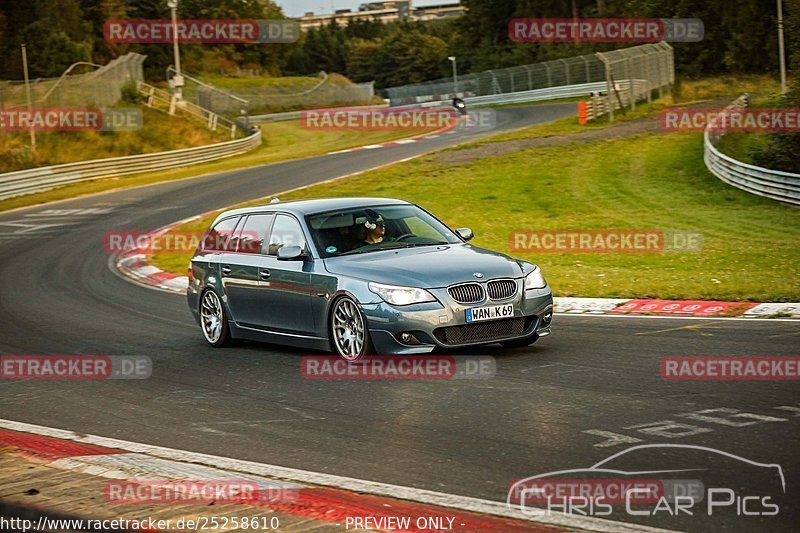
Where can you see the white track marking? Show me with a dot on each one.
(428, 497)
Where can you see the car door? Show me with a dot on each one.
(240, 266)
(211, 249)
(286, 298)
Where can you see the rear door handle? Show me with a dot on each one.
(264, 273)
(226, 269)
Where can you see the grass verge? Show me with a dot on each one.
(646, 181)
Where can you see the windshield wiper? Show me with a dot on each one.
(413, 244)
(356, 252)
(393, 246)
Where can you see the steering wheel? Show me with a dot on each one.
(403, 236)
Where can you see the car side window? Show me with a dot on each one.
(254, 233)
(285, 232)
(217, 237)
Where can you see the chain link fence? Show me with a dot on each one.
(324, 92)
(569, 71)
(638, 70)
(634, 74)
(101, 87)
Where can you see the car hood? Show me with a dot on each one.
(426, 267)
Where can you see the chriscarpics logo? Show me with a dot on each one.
(657, 480)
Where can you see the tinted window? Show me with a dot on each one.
(373, 228)
(218, 236)
(285, 232)
(254, 233)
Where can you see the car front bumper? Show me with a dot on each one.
(442, 324)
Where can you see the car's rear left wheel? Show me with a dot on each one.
(349, 334)
(213, 321)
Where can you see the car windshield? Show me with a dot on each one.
(373, 228)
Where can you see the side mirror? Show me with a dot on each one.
(465, 233)
(291, 253)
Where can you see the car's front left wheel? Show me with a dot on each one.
(213, 321)
(348, 327)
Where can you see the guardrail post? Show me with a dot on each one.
(631, 90)
(566, 69)
(586, 64)
(530, 80)
(609, 86)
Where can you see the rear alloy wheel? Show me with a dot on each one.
(520, 343)
(213, 321)
(349, 333)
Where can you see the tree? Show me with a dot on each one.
(783, 149)
(410, 56)
(362, 61)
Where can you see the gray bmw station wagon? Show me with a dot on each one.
(360, 276)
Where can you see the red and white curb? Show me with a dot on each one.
(676, 308)
(135, 266)
(320, 496)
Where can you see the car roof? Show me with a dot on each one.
(301, 208)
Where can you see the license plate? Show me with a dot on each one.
(477, 314)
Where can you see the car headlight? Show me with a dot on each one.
(535, 280)
(401, 295)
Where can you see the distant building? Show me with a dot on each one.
(383, 12)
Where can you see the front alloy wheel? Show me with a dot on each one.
(213, 321)
(349, 334)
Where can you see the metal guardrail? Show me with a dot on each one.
(536, 95)
(774, 184)
(45, 178)
(276, 117)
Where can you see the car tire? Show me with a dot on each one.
(521, 343)
(213, 322)
(349, 334)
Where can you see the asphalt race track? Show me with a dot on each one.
(588, 391)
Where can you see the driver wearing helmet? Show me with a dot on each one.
(374, 228)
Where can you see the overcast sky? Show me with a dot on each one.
(297, 8)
